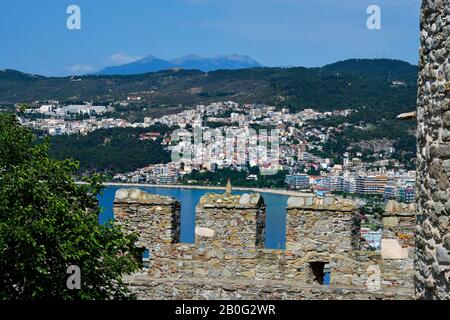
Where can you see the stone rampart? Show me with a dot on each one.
(228, 258)
(157, 219)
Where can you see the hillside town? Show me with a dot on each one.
(299, 154)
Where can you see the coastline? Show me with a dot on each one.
(291, 193)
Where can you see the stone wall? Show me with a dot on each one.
(320, 230)
(155, 218)
(432, 261)
(203, 288)
(228, 261)
(397, 245)
(229, 237)
(237, 222)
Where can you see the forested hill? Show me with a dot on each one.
(346, 84)
(380, 68)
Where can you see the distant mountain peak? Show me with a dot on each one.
(190, 62)
(146, 59)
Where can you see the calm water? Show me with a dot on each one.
(275, 211)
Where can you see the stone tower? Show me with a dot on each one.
(432, 261)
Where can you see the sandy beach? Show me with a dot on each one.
(212, 188)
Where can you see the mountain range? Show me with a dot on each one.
(190, 62)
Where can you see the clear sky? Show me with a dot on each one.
(34, 37)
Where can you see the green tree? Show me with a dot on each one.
(47, 223)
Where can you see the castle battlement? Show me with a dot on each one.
(157, 219)
(322, 237)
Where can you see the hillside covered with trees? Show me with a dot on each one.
(350, 83)
(110, 151)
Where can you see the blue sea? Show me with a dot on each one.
(275, 211)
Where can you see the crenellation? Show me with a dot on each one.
(236, 221)
(156, 218)
(228, 258)
(319, 231)
(399, 223)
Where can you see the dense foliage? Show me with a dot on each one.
(111, 150)
(237, 178)
(351, 83)
(48, 223)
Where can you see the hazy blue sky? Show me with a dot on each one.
(34, 37)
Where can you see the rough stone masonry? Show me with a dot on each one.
(228, 259)
(432, 261)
